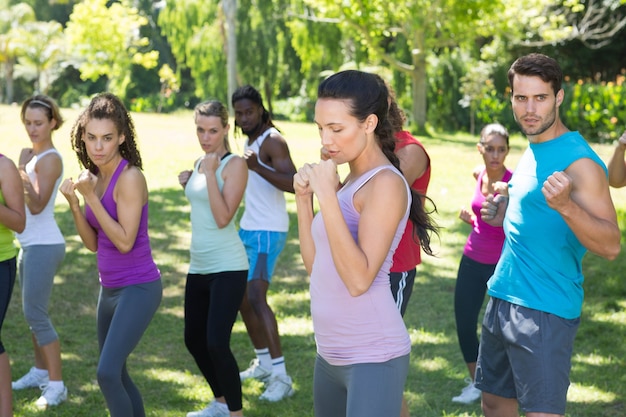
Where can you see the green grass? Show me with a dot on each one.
(165, 372)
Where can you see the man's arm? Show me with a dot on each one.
(413, 162)
(617, 166)
(581, 195)
(276, 152)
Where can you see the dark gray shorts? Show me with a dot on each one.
(526, 354)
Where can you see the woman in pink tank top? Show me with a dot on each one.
(347, 248)
(481, 252)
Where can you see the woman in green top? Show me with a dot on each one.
(12, 219)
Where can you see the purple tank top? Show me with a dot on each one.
(118, 269)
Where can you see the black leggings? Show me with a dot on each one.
(7, 281)
(469, 295)
(211, 305)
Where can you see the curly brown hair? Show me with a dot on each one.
(109, 107)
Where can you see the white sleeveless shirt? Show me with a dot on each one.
(42, 228)
(265, 208)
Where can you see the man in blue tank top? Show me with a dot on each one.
(559, 207)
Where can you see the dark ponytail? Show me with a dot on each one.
(368, 94)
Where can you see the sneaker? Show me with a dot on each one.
(214, 409)
(51, 396)
(256, 371)
(469, 394)
(278, 387)
(32, 379)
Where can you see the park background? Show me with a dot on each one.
(447, 62)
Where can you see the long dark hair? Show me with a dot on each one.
(368, 94)
(109, 107)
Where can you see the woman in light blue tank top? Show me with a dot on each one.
(218, 270)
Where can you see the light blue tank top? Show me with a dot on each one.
(212, 249)
(541, 262)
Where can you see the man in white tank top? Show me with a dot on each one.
(263, 230)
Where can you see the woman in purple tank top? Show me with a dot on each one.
(130, 293)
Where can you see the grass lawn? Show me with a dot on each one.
(164, 370)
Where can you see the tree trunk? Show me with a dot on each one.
(419, 85)
(230, 11)
(8, 77)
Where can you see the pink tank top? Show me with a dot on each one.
(363, 329)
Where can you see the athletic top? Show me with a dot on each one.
(409, 253)
(541, 262)
(42, 228)
(7, 246)
(265, 206)
(122, 269)
(484, 243)
(212, 249)
(363, 329)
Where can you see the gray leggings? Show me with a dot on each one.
(360, 390)
(37, 265)
(123, 316)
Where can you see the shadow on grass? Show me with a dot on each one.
(172, 386)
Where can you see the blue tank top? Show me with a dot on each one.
(213, 249)
(541, 262)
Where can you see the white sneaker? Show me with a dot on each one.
(469, 394)
(51, 396)
(278, 387)
(214, 409)
(256, 371)
(32, 379)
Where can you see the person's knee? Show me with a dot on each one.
(257, 298)
(217, 349)
(106, 376)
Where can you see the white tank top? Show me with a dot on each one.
(42, 228)
(265, 204)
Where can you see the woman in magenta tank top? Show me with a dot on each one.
(481, 252)
(130, 293)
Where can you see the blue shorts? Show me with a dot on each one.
(526, 354)
(262, 248)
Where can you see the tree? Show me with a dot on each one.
(40, 46)
(405, 35)
(230, 12)
(106, 41)
(593, 22)
(11, 18)
(194, 30)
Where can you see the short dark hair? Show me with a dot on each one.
(538, 65)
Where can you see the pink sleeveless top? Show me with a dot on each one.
(363, 329)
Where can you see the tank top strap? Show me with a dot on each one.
(47, 151)
(116, 175)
